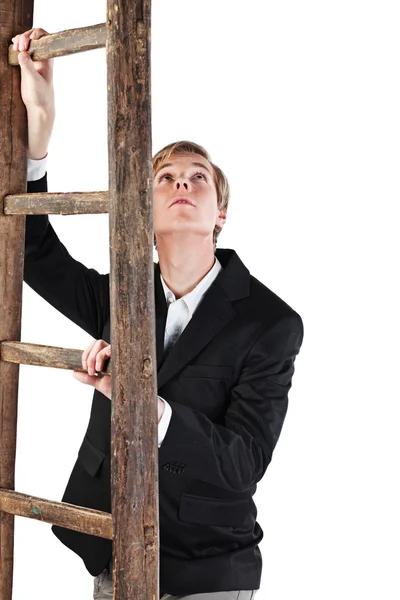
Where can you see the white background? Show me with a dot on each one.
(298, 102)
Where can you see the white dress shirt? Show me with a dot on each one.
(36, 168)
(179, 311)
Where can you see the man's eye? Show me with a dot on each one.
(164, 176)
(199, 176)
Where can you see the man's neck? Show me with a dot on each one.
(184, 264)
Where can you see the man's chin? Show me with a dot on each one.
(183, 234)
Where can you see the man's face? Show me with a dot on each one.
(185, 197)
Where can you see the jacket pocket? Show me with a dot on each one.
(205, 371)
(90, 457)
(213, 511)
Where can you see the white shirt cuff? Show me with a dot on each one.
(164, 422)
(36, 168)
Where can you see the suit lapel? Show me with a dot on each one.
(161, 315)
(214, 312)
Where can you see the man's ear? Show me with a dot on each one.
(221, 218)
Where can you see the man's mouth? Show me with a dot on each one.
(181, 201)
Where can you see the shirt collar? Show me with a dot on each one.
(193, 298)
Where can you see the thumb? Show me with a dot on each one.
(102, 384)
(26, 63)
(85, 378)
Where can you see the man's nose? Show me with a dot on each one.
(181, 183)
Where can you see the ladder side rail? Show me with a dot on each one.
(16, 17)
(134, 451)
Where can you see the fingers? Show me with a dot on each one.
(37, 33)
(21, 42)
(85, 355)
(101, 358)
(94, 356)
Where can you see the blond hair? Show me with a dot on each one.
(220, 180)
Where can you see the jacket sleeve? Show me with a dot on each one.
(79, 293)
(235, 454)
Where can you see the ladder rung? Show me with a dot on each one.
(44, 356)
(63, 43)
(86, 520)
(70, 203)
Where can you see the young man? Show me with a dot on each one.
(226, 347)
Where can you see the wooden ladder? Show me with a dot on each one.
(133, 524)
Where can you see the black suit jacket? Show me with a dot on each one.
(227, 381)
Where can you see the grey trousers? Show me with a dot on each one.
(103, 590)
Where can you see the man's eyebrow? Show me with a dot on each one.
(195, 164)
(198, 164)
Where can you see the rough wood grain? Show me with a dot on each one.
(78, 518)
(63, 43)
(45, 356)
(69, 203)
(134, 476)
(15, 17)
